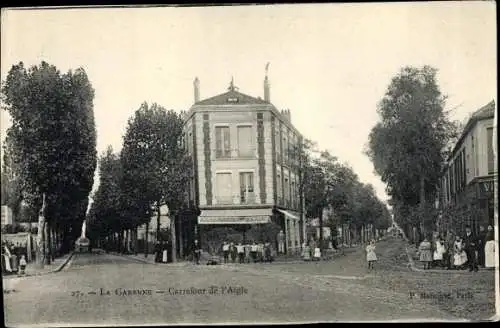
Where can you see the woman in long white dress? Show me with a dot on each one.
(489, 249)
(317, 254)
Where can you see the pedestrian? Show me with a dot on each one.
(459, 256)
(306, 252)
(471, 249)
(267, 250)
(371, 256)
(425, 253)
(253, 251)
(481, 241)
(262, 254)
(439, 251)
(225, 251)
(13, 260)
(241, 252)
(449, 240)
(317, 253)
(234, 252)
(489, 248)
(197, 252)
(164, 257)
(157, 251)
(22, 265)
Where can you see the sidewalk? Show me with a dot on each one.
(33, 270)
(150, 259)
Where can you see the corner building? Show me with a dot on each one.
(470, 172)
(246, 173)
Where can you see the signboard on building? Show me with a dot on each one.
(486, 189)
(234, 219)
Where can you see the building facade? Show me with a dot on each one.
(246, 171)
(468, 180)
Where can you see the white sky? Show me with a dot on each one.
(330, 63)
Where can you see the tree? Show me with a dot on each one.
(156, 166)
(54, 137)
(408, 145)
(105, 215)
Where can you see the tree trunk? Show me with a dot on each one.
(158, 215)
(181, 239)
(422, 205)
(173, 217)
(40, 258)
(49, 242)
(321, 229)
(146, 240)
(136, 241)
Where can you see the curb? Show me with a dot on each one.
(63, 264)
(56, 270)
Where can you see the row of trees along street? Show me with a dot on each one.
(49, 151)
(409, 147)
(152, 170)
(332, 189)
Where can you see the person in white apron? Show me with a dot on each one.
(164, 258)
(439, 251)
(317, 254)
(489, 249)
(8, 268)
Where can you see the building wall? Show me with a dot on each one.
(233, 116)
(475, 147)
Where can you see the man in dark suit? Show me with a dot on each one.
(480, 247)
(471, 248)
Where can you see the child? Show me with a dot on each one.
(425, 253)
(371, 256)
(459, 257)
(22, 264)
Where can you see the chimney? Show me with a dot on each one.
(196, 84)
(266, 90)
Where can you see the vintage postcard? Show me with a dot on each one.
(249, 164)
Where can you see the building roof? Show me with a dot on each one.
(232, 97)
(483, 113)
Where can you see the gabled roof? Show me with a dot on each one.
(232, 97)
(485, 112)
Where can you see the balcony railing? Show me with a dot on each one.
(224, 200)
(247, 198)
(235, 153)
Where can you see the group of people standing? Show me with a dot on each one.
(459, 252)
(255, 252)
(13, 259)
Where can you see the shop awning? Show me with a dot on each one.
(290, 214)
(239, 216)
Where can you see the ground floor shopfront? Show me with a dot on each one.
(475, 205)
(281, 228)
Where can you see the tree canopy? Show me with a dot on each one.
(408, 144)
(51, 144)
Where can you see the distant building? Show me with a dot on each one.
(6, 216)
(164, 223)
(468, 180)
(246, 171)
